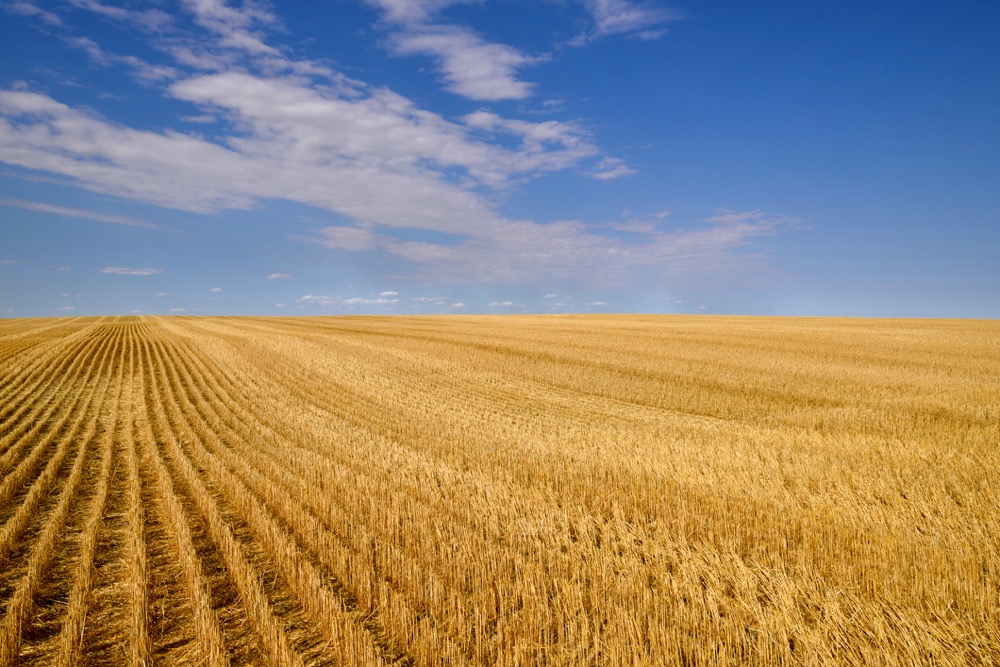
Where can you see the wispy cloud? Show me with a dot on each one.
(355, 239)
(611, 168)
(523, 252)
(199, 119)
(238, 28)
(74, 212)
(215, 290)
(377, 159)
(124, 271)
(31, 9)
(471, 66)
(8, 261)
(142, 70)
(148, 19)
(279, 276)
(388, 293)
(338, 302)
(644, 20)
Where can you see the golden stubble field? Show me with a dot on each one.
(579, 490)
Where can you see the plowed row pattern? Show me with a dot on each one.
(499, 491)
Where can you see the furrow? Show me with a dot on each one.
(60, 436)
(325, 604)
(138, 565)
(105, 638)
(387, 595)
(34, 343)
(36, 420)
(19, 608)
(71, 634)
(408, 561)
(273, 640)
(362, 475)
(48, 367)
(342, 411)
(211, 649)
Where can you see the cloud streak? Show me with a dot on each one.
(470, 65)
(644, 20)
(74, 212)
(344, 302)
(125, 271)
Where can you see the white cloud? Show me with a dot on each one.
(367, 154)
(439, 300)
(358, 301)
(199, 118)
(279, 276)
(30, 9)
(388, 293)
(610, 168)
(74, 212)
(616, 17)
(503, 304)
(551, 296)
(471, 66)
(8, 261)
(150, 19)
(597, 303)
(237, 28)
(523, 252)
(355, 239)
(123, 271)
(216, 290)
(545, 146)
(377, 160)
(458, 305)
(335, 301)
(413, 11)
(142, 69)
(281, 305)
(310, 298)
(178, 310)
(162, 294)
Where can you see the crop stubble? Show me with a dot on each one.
(578, 490)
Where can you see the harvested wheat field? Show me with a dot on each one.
(588, 490)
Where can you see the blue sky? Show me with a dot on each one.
(442, 156)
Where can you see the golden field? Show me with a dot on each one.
(536, 490)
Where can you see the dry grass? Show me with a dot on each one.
(499, 491)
